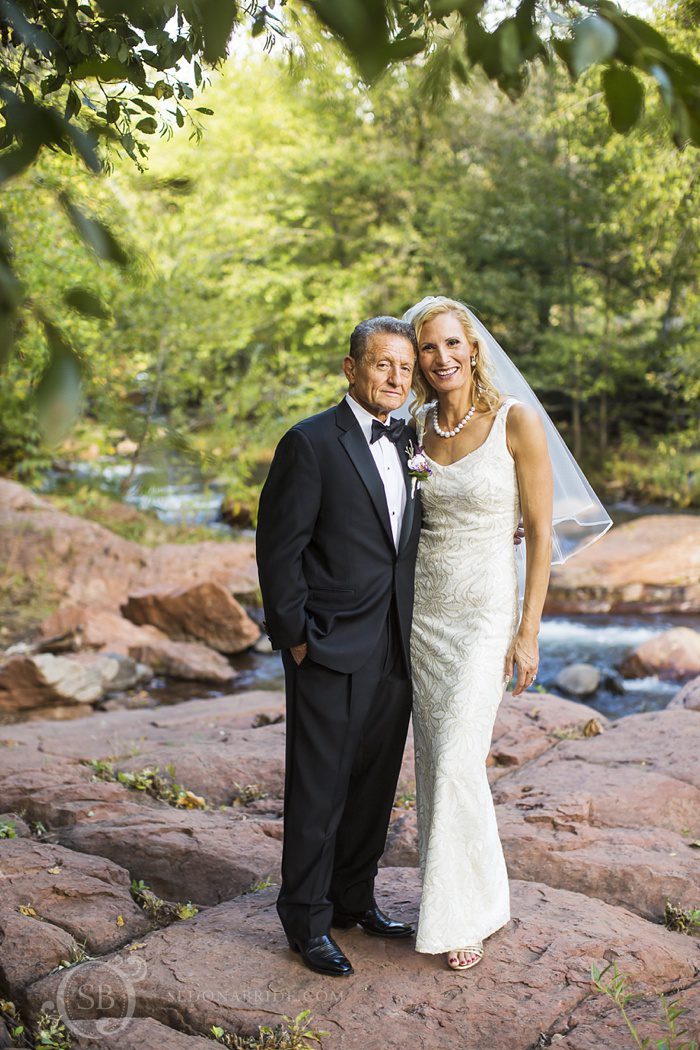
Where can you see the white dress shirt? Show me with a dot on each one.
(386, 456)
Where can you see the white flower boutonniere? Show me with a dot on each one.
(418, 466)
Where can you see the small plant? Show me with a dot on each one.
(407, 800)
(672, 1011)
(161, 912)
(10, 1015)
(51, 1033)
(8, 829)
(37, 828)
(590, 728)
(261, 884)
(262, 719)
(151, 782)
(78, 954)
(247, 794)
(682, 921)
(293, 1034)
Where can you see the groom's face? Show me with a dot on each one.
(381, 380)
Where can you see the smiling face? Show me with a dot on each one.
(381, 380)
(444, 353)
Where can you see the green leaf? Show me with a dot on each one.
(204, 109)
(51, 84)
(145, 106)
(86, 302)
(109, 70)
(624, 96)
(218, 20)
(73, 104)
(594, 41)
(509, 44)
(113, 110)
(148, 125)
(95, 234)
(57, 394)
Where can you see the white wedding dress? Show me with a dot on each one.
(464, 620)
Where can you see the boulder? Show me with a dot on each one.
(189, 660)
(634, 868)
(643, 772)
(43, 681)
(530, 724)
(231, 966)
(205, 611)
(128, 675)
(88, 564)
(651, 564)
(213, 768)
(203, 856)
(674, 654)
(54, 899)
(578, 679)
(687, 697)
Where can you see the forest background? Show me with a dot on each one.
(310, 201)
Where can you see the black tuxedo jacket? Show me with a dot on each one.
(326, 557)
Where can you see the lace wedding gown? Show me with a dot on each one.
(464, 619)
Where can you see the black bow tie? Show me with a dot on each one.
(394, 431)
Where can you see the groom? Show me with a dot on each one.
(337, 537)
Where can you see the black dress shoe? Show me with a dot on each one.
(375, 922)
(322, 954)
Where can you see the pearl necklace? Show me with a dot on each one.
(451, 433)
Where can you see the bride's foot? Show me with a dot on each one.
(464, 958)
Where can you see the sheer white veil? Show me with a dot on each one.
(578, 516)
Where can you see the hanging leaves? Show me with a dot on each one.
(624, 97)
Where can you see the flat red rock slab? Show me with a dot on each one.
(231, 966)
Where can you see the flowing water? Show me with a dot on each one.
(183, 495)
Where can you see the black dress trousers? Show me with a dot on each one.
(345, 741)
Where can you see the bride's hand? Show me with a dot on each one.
(524, 653)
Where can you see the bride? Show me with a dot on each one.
(488, 458)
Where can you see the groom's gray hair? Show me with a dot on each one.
(362, 333)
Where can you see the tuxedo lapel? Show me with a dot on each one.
(353, 441)
(408, 513)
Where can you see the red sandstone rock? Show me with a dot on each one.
(673, 654)
(87, 564)
(651, 564)
(206, 611)
(68, 899)
(108, 631)
(231, 966)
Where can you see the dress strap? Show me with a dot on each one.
(505, 408)
(421, 423)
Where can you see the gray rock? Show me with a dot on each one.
(125, 676)
(689, 696)
(579, 679)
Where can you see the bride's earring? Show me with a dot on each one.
(473, 360)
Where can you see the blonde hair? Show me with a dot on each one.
(483, 388)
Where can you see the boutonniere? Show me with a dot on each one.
(418, 466)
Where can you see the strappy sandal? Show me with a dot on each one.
(473, 949)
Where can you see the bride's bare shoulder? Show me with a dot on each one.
(524, 427)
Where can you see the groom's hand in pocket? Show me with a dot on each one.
(298, 652)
